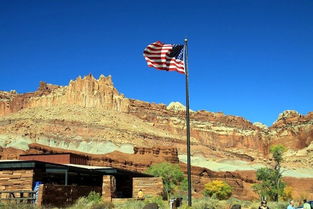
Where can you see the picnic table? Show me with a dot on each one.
(19, 195)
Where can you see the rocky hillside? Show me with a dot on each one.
(90, 115)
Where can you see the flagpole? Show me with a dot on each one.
(187, 124)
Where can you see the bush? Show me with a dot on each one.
(287, 194)
(209, 203)
(14, 205)
(171, 174)
(81, 203)
(278, 205)
(92, 201)
(219, 189)
(186, 207)
(233, 201)
(93, 197)
(204, 203)
(102, 205)
(157, 200)
(255, 205)
(131, 204)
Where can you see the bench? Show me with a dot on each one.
(19, 195)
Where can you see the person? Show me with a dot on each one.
(140, 195)
(263, 205)
(291, 205)
(306, 205)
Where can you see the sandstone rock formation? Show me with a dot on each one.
(176, 106)
(90, 115)
(91, 110)
(84, 92)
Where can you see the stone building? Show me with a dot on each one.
(66, 177)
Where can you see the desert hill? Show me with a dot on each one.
(91, 116)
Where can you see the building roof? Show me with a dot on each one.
(88, 166)
(64, 153)
(32, 164)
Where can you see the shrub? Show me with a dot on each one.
(219, 189)
(102, 205)
(278, 205)
(81, 203)
(186, 207)
(204, 203)
(93, 197)
(255, 205)
(304, 195)
(287, 194)
(157, 200)
(92, 201)
(131, 204)
(171, 174)
(15, 205)
(209, 203)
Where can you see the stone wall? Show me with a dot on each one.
(60, 195)
(150, 186)
(16, 180)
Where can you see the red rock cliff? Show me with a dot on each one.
(84, 92)
(162, 124)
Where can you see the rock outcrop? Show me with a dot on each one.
(90, 117)
(84, 92)
(91, 110)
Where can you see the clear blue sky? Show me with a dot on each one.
(251, 58)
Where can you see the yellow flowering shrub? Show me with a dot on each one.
(217, 188)
(287, 194)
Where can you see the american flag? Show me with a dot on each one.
(165, 56)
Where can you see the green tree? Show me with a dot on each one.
(271, 185)
(277, 152)
(218, 188)
(171, 174)
(268, 187)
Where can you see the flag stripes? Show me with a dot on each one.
(165, 57)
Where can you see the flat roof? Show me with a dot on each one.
(31, 164)
(65, 153)
(90, 167)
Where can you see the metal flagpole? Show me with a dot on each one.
(187, 124)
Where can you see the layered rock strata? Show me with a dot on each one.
(91, 110)
(84, 92)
